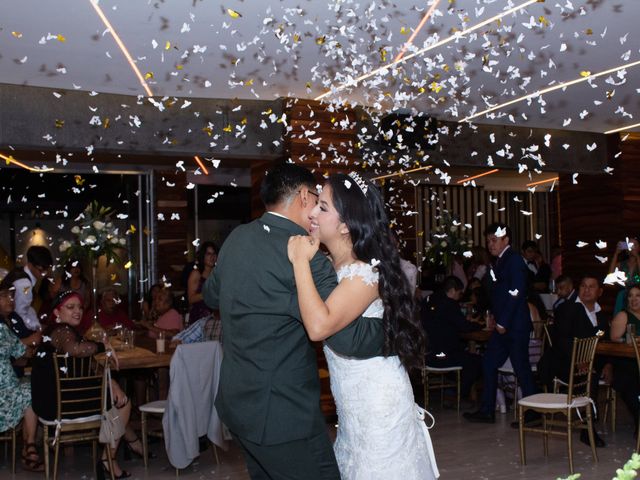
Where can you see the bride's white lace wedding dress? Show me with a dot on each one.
(381, 431)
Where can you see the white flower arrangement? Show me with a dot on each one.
(95, 236)
(447, 241)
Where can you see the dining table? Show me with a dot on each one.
(142, 355)
(476, 338)
(615, 349)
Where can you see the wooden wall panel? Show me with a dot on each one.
(601, 207)
(171, 234)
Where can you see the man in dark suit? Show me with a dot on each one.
(580, 318)
(269, 391)
(443, 322)
(539, 271)
(510, 338)
(566, 292)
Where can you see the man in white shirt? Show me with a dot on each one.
(581, 318)
(24, 279)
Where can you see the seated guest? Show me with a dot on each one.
(11, 319)
(565, 290)
(444, 322)
(478, 305)
(64, 339)
(579, 319)
(539, 270)
(8, 315)
(625, 370)
(204, 330)
(111, 312)
(48, 291)
(168, 319)
(15, 401)
(73, 279)
(148, 313)
(25, 279)
(207, 256)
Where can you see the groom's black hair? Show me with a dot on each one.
(284, 180)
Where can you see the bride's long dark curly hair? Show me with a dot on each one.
(365, 217)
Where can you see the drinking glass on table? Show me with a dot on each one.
(490, 320)
(125, 339)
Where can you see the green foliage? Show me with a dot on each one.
(96, 235)
(447, 241)
(628, 472)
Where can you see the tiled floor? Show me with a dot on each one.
(464, 451)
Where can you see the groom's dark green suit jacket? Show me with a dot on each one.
(269, 391)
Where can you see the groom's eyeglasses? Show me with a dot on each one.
(315, 194)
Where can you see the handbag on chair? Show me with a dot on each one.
(112, 426)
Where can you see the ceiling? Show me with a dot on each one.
(303, 48)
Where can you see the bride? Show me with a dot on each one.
(381, 433)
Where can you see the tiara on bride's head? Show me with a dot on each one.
(360, 182)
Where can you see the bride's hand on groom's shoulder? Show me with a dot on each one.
(302, 248)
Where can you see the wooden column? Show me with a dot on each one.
(172, 232)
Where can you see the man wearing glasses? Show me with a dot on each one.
(23, 280)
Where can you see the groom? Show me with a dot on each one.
(269, 392)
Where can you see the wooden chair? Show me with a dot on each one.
(576, 398)
(151, 408)
(634, 342)
(610, 401)
(10, 436)
(79, 392)
(435, 378)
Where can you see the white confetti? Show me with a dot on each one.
(617, 276)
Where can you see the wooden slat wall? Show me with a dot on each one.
(496, 206)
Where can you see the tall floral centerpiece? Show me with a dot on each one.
(447, 242)
(95, 236)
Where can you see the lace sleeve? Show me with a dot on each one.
(364, 271)
(65, 340)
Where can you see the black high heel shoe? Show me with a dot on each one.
(102, 471)
(129, 452)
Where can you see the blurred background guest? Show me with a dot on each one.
(111, 311)
(12, 320)
(443, 322)
(147, 303)
(15, 401)
(566, 292)
(625, 259)
(539, 270)
(27, 281)
(625, 370)
(206, 261)
(168, 320)
(73, 279)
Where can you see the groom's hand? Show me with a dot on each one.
(302, 248)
